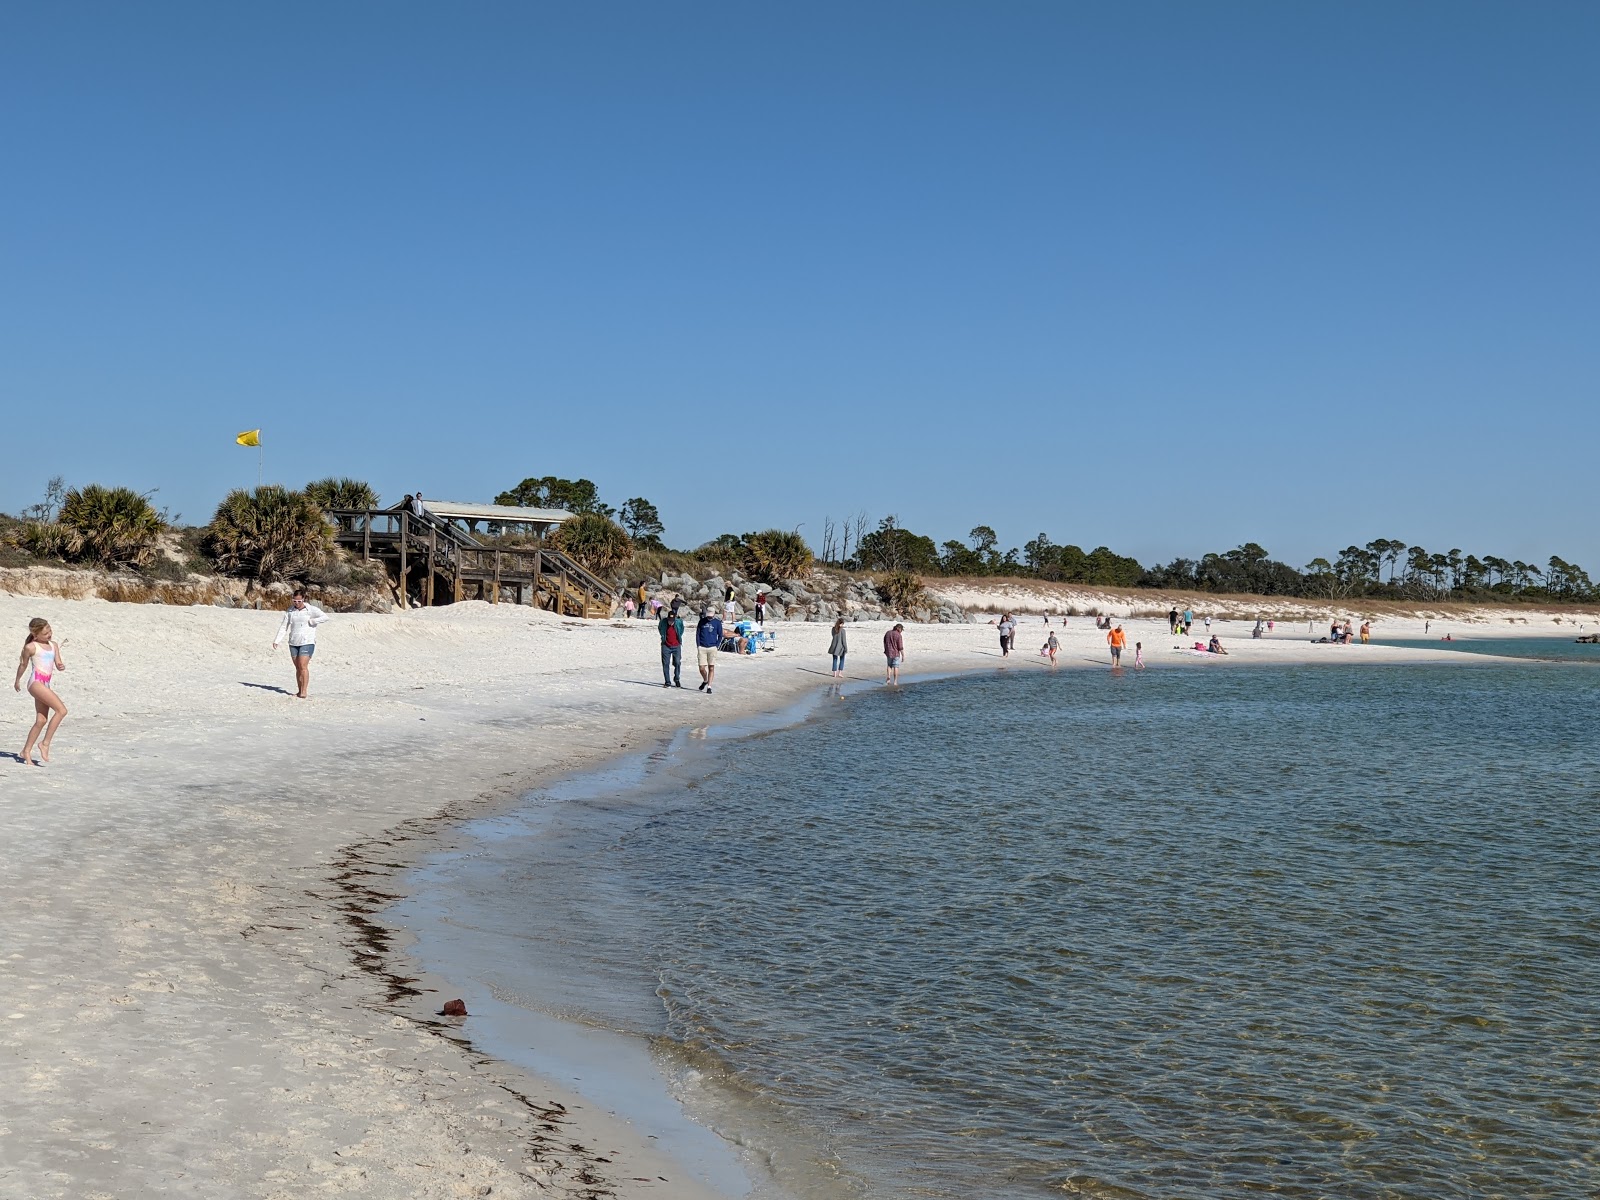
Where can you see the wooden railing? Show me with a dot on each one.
(450, 552)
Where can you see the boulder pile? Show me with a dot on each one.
(820, 596)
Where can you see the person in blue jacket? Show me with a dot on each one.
(707, 640)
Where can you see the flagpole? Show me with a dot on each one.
(259, 453)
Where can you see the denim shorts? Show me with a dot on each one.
(302, 651)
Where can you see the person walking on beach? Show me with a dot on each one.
(670, 626)
(1051, 645)
(1172, 621)
(1138, 656)
(1208, 622)
(627, 607)
(1116, 639)
(894, 650)
(1008, 628)
(41, 655)
(300, 627)
(707, 642)
(1188, 620)
(838, 647)
(644, 602)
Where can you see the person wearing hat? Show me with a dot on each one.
(670, 626)
(707, 642)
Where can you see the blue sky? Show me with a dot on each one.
(1166, 277)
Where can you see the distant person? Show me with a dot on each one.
(1258, 630)
(730, 609)
(761, 607)
(1216, 645)
(1426, 626)
(707, 641)
(1188, 620)
(677, 603)
(644, 602)
(1269, 626)
(42, 659)
(1007, 628)
(1366, 632)
(670, 626)
(300, 627)
(894, 650)
(417, 510)
(1138, 656)
(1172, 621)
(627, 607)
(1116, 639)
(1208, 622)
(1051, 646)
(838, 647)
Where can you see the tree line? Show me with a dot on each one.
(1383, 568)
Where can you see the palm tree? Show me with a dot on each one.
(269, 534)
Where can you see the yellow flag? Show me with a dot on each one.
(250, 437)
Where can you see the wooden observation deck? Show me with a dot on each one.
(436, 562)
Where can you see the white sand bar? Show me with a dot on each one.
(182, 1010)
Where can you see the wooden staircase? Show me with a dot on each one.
(436, 563)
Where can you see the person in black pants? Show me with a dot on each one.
(671, 627)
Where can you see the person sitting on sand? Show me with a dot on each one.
(300, 626)
(1216, 645)
(41, 654)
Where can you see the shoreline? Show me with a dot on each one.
(192, 1008)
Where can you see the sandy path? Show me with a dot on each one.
(183, 1013)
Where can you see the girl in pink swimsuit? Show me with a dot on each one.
(41, 656)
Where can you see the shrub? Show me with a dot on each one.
(269, 534)
(597, 542)
(776, 554)
(902, 590)
(342, 493)
(43, 539)
(113, 527)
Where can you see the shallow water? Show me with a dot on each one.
(1553, 649)
(1187, 933)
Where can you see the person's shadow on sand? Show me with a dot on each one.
(265, 687)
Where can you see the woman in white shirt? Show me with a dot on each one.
(300, 626)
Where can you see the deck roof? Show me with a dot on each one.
(450, 510)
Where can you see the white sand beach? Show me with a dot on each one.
(190, 1006)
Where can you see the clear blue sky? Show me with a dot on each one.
(1161, 276)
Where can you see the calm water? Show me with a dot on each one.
(1555, 649)
(1322, 932)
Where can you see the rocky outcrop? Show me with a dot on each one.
(820, 596)
(84, 583)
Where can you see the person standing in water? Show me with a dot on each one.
(300, 627)
(1116, 639)
(838, 647)
(894, 651)
(41, 655)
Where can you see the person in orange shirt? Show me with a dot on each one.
(1116, 639)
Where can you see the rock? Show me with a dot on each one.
(454, 1008)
